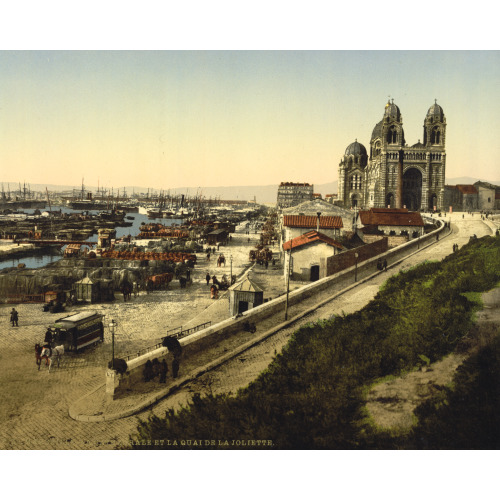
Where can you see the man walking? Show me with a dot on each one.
(14, 317)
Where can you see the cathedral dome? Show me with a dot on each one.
(392, 110)
(377, 131)
(356, 148)
(436, 111)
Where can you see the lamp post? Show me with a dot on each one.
(112, 327)
(288, 279)
(356, 255)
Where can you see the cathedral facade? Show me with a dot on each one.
(393, 174)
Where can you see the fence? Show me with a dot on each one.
(181, 333)
(25, 299)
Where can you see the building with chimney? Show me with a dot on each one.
(393, 174)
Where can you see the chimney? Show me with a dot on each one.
(317, 225)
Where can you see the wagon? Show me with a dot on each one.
(78, 330)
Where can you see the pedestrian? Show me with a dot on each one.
(385, 265)
(207, 277)
(188, 274)
(267, 264)
(163, 372)
(175, 367)
(218, 246)
(147, 373)
(48, 336)
(14, 316)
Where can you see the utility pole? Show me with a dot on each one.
(112, 326)
(288, 279)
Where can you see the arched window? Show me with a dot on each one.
(392, 135)
(355, 181)
(435, 136)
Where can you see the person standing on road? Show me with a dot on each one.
(207, 277)
(14, 316)
(175, 367)
(48, 336)
(385, 265)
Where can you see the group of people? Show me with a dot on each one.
(211, 250)
(382, 265)
(455, 247)
(217, 285)
(155, 369)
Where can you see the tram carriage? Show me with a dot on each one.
(78, 331)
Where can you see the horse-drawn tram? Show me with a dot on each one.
(78, 330)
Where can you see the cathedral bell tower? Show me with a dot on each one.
(393, 135)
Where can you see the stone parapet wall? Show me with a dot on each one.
(347, 259)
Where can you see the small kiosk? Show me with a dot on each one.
(86, 290)
(244, 296)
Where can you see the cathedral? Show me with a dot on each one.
(395, 175)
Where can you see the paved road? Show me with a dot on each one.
(34, 410)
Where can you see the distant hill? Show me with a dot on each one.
(468, 180)
(262, 194)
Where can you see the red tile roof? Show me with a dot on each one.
(466, 188)
(327, 222)
(389, 210)
(310, 237)
(390, 217)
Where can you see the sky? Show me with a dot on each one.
(186, 118)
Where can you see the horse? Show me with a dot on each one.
(48, 353)
(126, 291)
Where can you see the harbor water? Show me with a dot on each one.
(35, 262)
